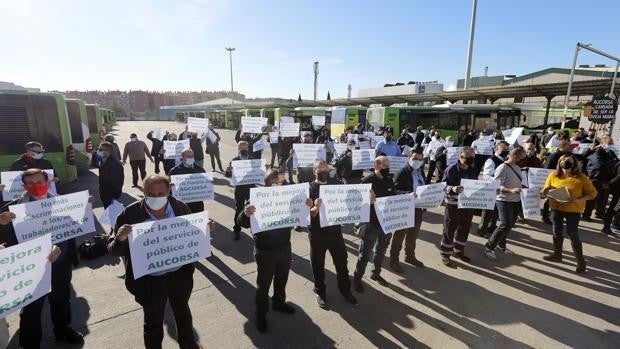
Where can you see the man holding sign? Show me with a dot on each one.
(188, 166)
(242, 192)
(36, 183)
(173, 285)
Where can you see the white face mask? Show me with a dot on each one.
(156, 203)
(189, 161)
(133, 139)
(416, 164)
(37, 156)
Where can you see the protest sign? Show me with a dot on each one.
(165, 244)
(353, 137)
(374, 140)
(318, 120)
(273, 137)
(289, 129)
(512, 135)
(108, 218)
(344, 204)
(364, 144)
(64, 216)
(13, 185)
(251, 124)
(453, 155)
(279, 207)
(307, 153)
(286, 120)
(212, 137)
(25, 274)
(581, 148)
(363, 159)
(395, 212)
(158, 133)
(397, 163)
(248, 172)
(340, 148)
(430, 196)
(192, 187)
(173, 149)
(615, 148)
(536, 177)
(482, 147)
(530, 202)
(407, 150)
(478, 194)
(197, 125)
(258, 145)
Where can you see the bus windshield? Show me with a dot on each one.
(91, 113)
(75, 121)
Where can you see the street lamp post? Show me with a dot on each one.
(470, 49)
(230, 51)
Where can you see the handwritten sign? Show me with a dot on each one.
(279, 207)
(192, 187)
(430, 196)
(344, 204)
(478, 194)
(395, 212)
(197, 125)
(250, 124)
(536, 177)
(530, 202)
(289, 129)
(173, 149)
(13, 185)
(362, 159)
(248, 172)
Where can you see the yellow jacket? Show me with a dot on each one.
(577, 187)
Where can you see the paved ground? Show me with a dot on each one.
(519, 301)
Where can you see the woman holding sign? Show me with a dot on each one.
(580, 189)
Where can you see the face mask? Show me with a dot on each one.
(469, 161)
(244, 152)
(37, 156)
(416, 164)
(322, 176)
(133, 139)
(385, 172)
(37, 190)
(189, 161)
(156, 203)
(504, 153)
(567, 165)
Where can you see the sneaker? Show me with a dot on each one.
(490, 254)
(261, 323)
(298, 228)
(448, 262)
(358, 286)
(396, 267)
(414, 261)
(463, 257)
(283, 308)
(71, 336)
(321, 300)
(506, 251)
(381, 281)
(351, 299)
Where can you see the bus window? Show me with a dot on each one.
(448, 121)
(75, 122)
(92, 118)
(427, 121)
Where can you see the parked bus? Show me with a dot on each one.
(95, 124)
(232, 119)
(345, 117)
(80, 135)
(251, 112)
(41, 117)
(269, 113)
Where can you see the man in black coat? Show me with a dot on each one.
(213, 148)
(34, 157)
(111, 174)
(188, 166)
(242, 192)
(155, 149)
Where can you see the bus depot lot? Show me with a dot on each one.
(518, 301)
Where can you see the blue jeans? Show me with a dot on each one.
(373, 246)
(572, 224)
(507, 213)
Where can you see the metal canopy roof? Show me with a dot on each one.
(579, 88)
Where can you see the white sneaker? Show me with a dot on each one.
(490, 254)
(506, 251)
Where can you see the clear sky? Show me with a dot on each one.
(179, 44)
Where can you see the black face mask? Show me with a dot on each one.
(469, 161)
(504, 153)
(244, 152)
(567, 165)
(385, 172)
(322, 176)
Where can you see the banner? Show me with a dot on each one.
(13, 185)
(192, 187)
(430, 196)
(318, 120)
(478, 194)
(25, 274)
(453, 155)
(344, 204)
(482, 147)
(197, 125)
(397, 163)
(64, 216)
(108, 217)
(273, 137)
(289, 129)
(307, 153)
(395, 212)
(530, 202)
(165, 244)
(363, 159)
(258, 145)
(280, 207)
(512, 135)
(159, 133)
(251, 124)
(173, 149)
(248, 172)
(536, 177)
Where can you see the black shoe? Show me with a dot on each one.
(586, 218)
(396, 267)
(599, 216)
(283, 308)
(414, 261)
(135, 186)
(351, 299)
(463, 257)
(261, 323)
(381, 281)
(358, 286)
(321, 299)
(71, 336)
(546, 220)
(448, 262)
(299, 228)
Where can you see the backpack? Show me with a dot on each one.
(94, 247)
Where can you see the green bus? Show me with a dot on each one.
(80, 135)
(183, 115)
(232, 118)
(95, 124)
(270, 114)
(251, 112)
(345, 117)
(41, 117)
(216, 118)
(279, 112)
(108, 117)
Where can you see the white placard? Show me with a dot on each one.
(344, 204)
(615, 148)
(273, 137)
(530, 202)
(25, 274)
(173, 149)
(307, 153)
(482, 147)
(340, 148)
(374, 140)
(258, 145)
(108, 218)
(536, 177)
(248, 172)
(318, 120)
(430, 196)
(521, 139)
(581, 148)
(212, 137)
(170, 243)
(158, 133)
(13, 185)
(364, 145)
(65, 217)
(395, 212)
(362, 159)
(453, 155)
(279, 207)
(407, 150)
(512, 135)
(478, 194)
(286, 120)
(192, 187)
(353, 137)
(197, 125)
(397, 163)
(289, 129)
(251, 124)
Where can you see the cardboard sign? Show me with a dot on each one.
(289, 129)
(362, 159)
(193, 187)
(318, 120)
(165, 244)
(344, 204)
(395, 212)
(279, 207)
(530, 202)
(430, 196)
(248, 172)
(397, 163)
(173, 149)
(307, 153)
(478, 194)
(64, 217)
(536, 177)
(13, 185)
(197, 125)
(250, 124)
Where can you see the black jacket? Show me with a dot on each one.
(601, 165)
(157, 144)
(24, 163)
(134, 214)
(381, 187)
(468, 139)
(196, 145)
(418, 138)
(344, 168)
(269, 239)
(111, 177)
(181, 169)
(211, 145)
(403, 180)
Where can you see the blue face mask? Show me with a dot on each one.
(415, 164)
(189, 161)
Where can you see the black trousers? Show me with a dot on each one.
(456, 225)
(214, 154)
(152, 295)
(611, 212)
(599, 202)
(272, 265)
(320, 243)
(157, 159)
(409, 236)
(432, 165)
(60, 308)
(135, 166)
(196, 207)
(241, 195)
(488, 221)
(479, 161)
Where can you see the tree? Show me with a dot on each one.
(299, 98)
(329, 98)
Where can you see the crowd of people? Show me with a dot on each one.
(590, 176)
